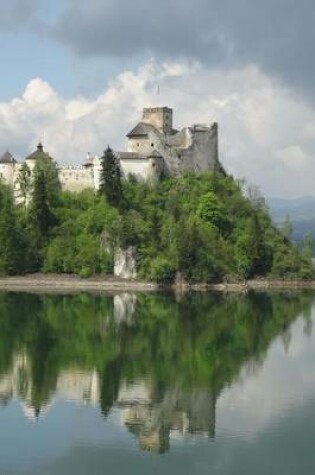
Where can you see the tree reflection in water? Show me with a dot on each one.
(161, 360)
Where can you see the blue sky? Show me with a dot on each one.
(32, 51)
(79, 73)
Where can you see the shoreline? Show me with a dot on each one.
(57, 283)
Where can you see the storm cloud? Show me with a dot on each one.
(277, 35)
(15, 14)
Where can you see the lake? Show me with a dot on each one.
(157, 384)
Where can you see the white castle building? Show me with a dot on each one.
(154, 148)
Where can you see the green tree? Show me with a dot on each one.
(307, 271)
(308, 246)
(24, 181)
(110, 179)
(41, 215)
(48, 168)
(253, 255)
(7, 231)
(211, 210)
(15, 249)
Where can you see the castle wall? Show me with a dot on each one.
(79, 386)
(15, 184)
(72, 178)
(7, 173)
(201, 155)
(31, 164)
(145, 145)
(139, 168)
(137, 145)
(192, 149)
(97, 167)
(76, 178)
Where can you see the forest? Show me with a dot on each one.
(199, 227)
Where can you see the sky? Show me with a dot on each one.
(77, 74)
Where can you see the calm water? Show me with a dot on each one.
(150, 384)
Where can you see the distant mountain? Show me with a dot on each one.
(298, 208)
(301, 212)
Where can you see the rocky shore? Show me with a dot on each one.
(70, 283)
(43, 283)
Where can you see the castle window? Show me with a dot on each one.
(152, 144)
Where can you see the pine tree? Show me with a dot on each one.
(14, 239)
(52, 183)
(42, 217)
(7, 231)
(110, 179)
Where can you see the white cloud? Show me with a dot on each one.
(294, 157)
(280, 387)
(266, 133)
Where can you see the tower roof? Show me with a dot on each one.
(7, 158)
(140, 130)
(38, 154)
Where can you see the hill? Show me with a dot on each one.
(197, 228)
(301, 212)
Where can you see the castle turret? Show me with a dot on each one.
(159, 117)
(89, 161)
(37, 155)
(7, 165)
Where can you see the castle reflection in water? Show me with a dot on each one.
(147, 415)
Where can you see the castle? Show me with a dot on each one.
(154, 148)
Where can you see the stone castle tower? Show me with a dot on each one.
(154, 146)
(160, 117)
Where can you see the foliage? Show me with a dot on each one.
(24, 181)
(48, 170)
(110, 178)
(16, 250)
(41, 215)
(198, 227)
(203, 227)
(81, 244)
